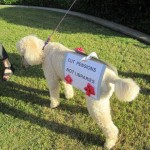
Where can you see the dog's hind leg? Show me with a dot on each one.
(100, 112)
(69, 93)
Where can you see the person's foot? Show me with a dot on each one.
(8, 72)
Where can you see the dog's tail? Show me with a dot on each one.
(126, 89)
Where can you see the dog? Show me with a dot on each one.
(52, 58)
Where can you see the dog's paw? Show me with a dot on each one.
(54, 105)
(110, 144)
(69, 95)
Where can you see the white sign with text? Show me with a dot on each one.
(84, 75)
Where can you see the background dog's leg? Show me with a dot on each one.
(53, 85)
(54, 96)
(69, 93)
(100, 112)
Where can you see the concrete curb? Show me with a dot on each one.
(111, 25)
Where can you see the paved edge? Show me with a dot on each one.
(111, 25)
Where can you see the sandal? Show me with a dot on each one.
(8, 75)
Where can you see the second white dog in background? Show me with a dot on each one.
(52, 59)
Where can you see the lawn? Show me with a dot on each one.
(27, 122)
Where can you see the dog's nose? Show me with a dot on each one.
(24, 63)
(25, 66)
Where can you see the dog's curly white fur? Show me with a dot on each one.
(52, 59)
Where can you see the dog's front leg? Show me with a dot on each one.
(53, 85)
(54, 95)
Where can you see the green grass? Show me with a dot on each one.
(27, 122)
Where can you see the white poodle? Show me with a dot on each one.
(52, 59)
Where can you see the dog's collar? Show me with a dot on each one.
(46, 42)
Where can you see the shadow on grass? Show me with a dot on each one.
(135, 75)
(31, 95)
(23, 93)
(73, 108)
(74, 133)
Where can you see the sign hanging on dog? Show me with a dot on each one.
(84, 75)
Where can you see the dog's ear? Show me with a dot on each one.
(31, 48)
(34, 56)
